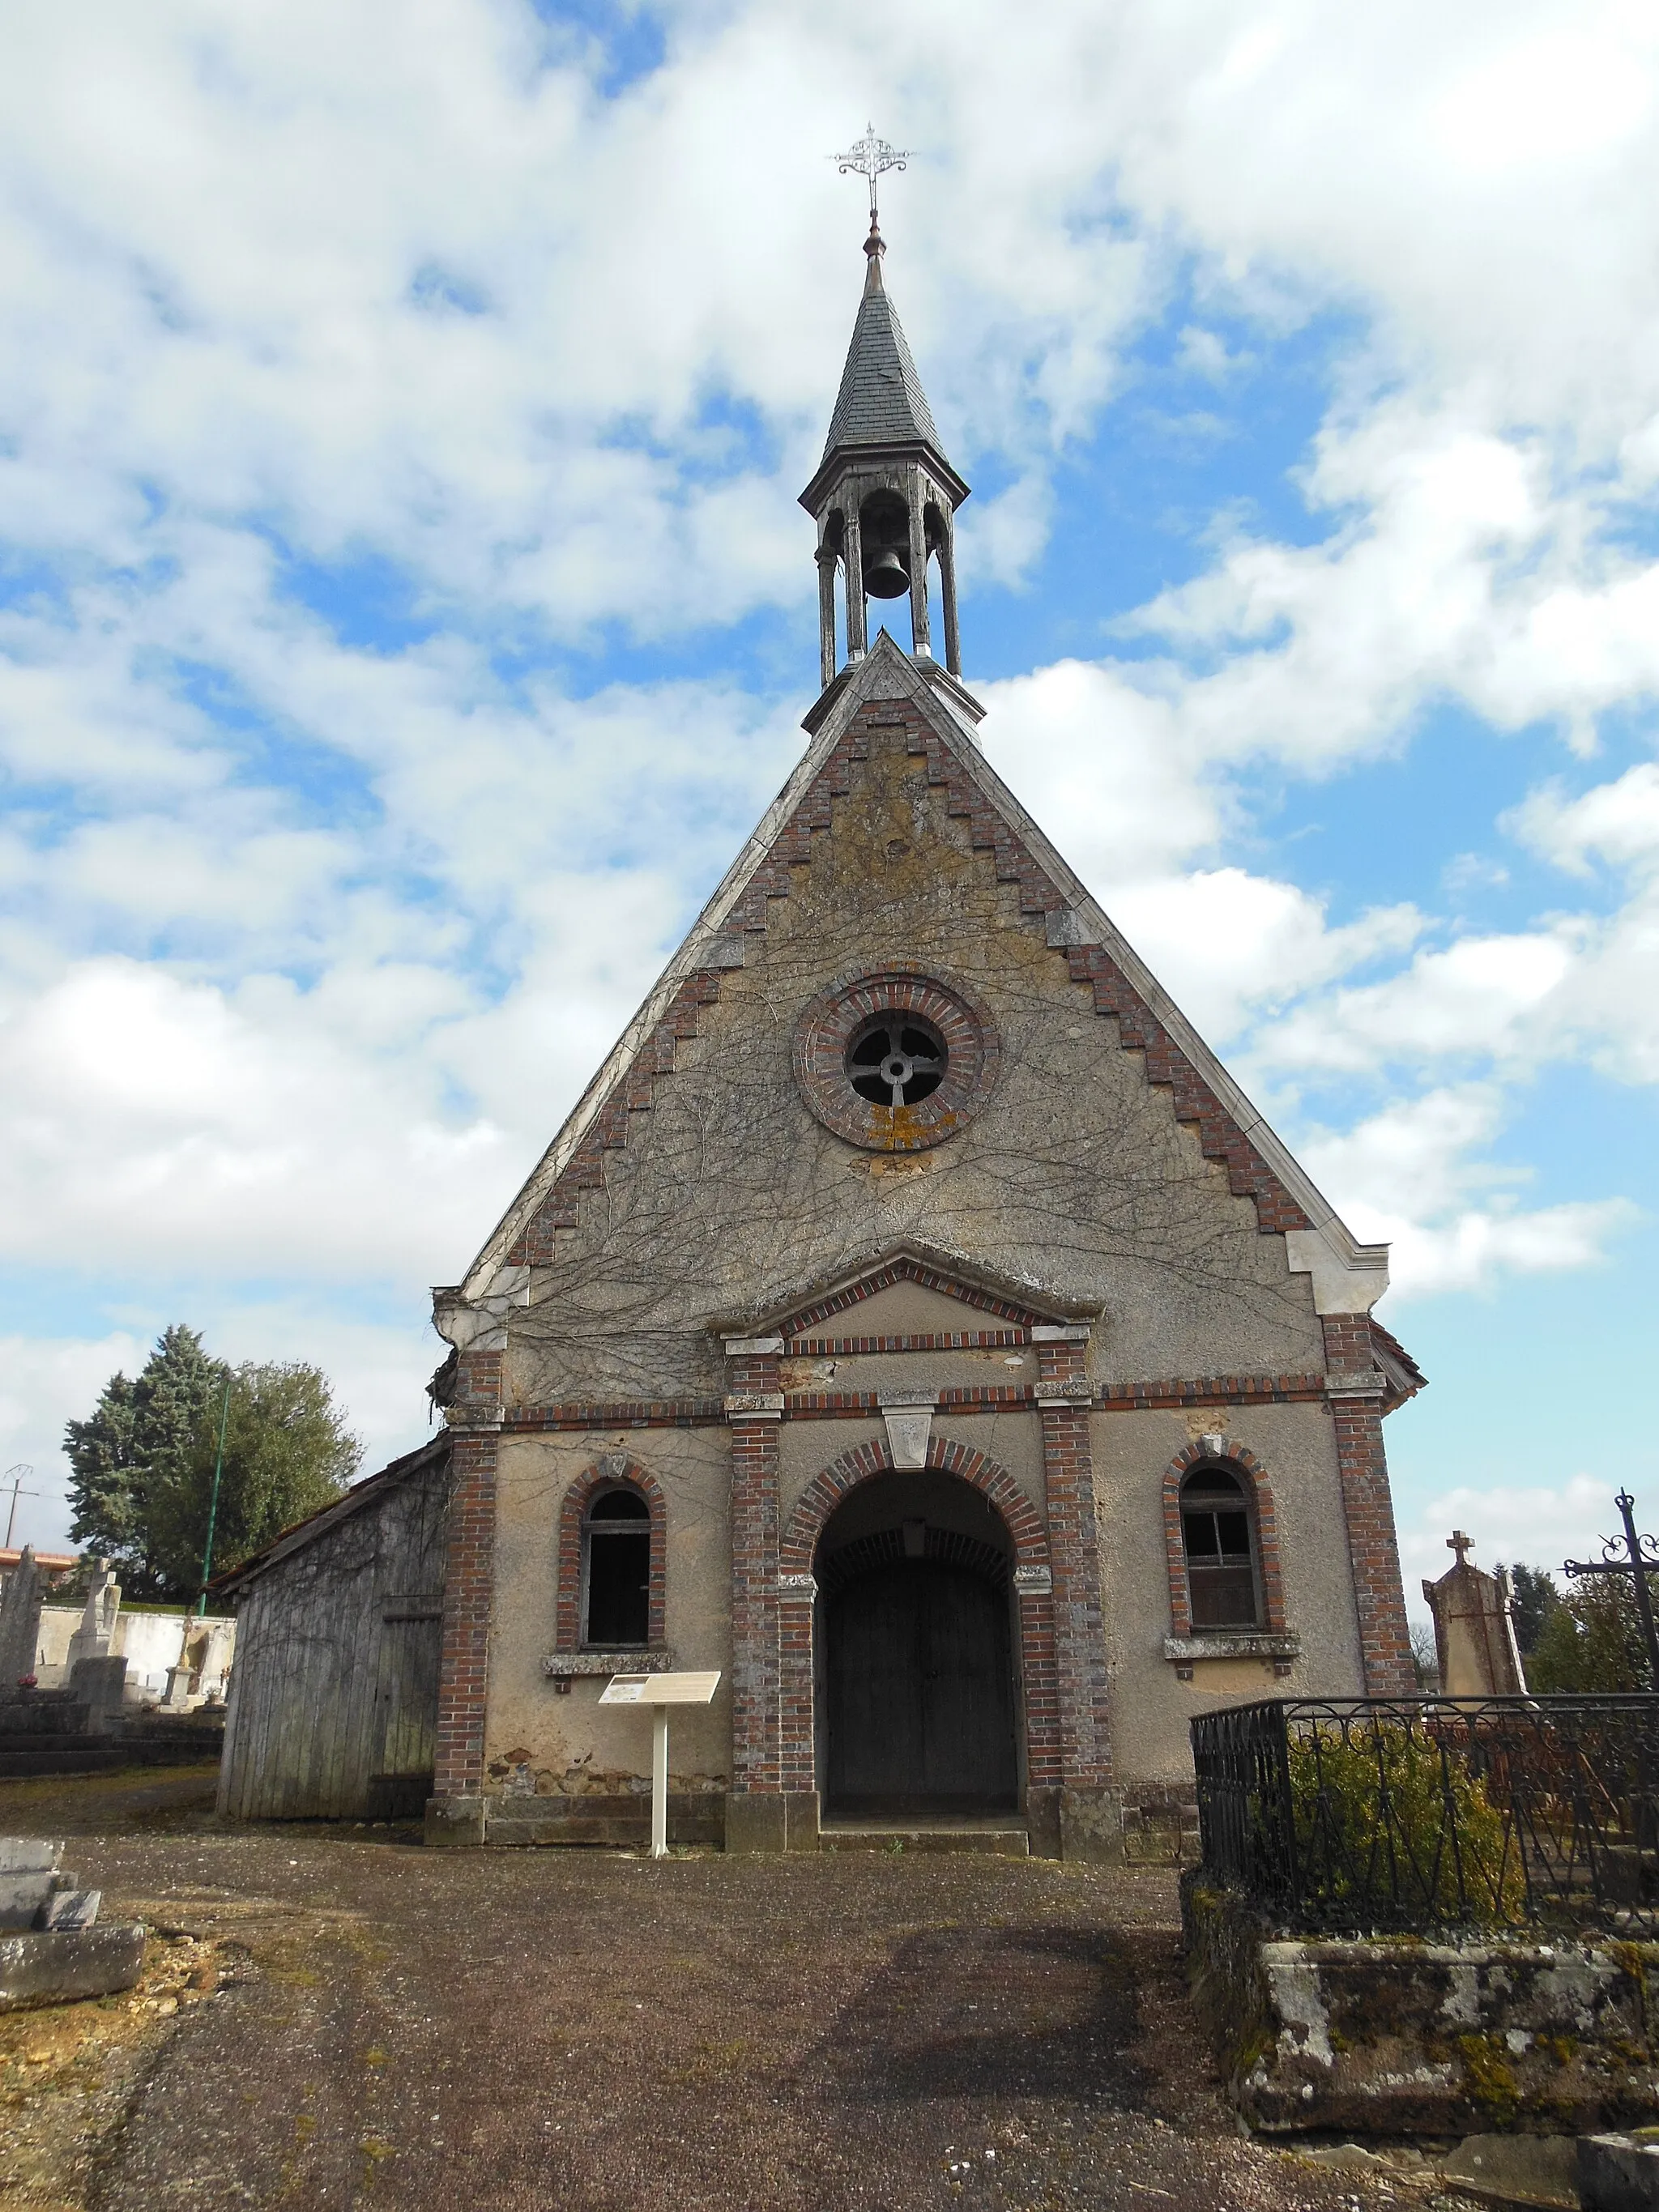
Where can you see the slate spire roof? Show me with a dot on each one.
(881, 401)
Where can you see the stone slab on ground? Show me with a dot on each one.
(52, 1966)
(600, 2032)
(1518, 2170)
(1617, 2173)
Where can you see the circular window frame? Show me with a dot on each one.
(825, 1032)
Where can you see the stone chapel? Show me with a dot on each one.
(913, 1320)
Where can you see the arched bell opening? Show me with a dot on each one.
(914, 1641)
(884, 540)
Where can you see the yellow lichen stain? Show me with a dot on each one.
(884, 1164)
(906, 1130)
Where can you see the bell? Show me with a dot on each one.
(886, 577)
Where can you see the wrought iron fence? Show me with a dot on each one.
(1349, 1815)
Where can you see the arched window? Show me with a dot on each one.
(1223, 1570)
(617, 1569)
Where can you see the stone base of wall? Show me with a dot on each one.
(622, 1820)
(1160, 1824)
(1394, 2036)
(1144, 1824)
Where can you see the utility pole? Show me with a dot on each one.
(213, 1502)
(14, 1475)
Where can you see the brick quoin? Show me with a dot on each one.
(1260, 1491)
(469, 1592)
(799, 1749)
(1074, 1552)
(614, 1468)
(755, 1767)
(1373, 1547)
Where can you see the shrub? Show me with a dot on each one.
(1395, 1827)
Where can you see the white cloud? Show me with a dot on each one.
(1482, 998)
(1230, 944)
(1617, 823)
(1413, 1176)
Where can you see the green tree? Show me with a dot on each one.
(1591, 1640)
(141, 1433)
(287, 1454)
(1534, 1598)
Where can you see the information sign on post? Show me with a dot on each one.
(659, 1692)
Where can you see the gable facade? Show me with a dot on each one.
(1002, 1316)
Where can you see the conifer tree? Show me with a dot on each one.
(140, 1433)
(143, 1462)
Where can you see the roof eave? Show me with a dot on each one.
(840, 458)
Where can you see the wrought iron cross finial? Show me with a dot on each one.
(1458, 1542)
(870, 157)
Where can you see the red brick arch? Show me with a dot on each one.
(826, 1490)
(611, 1467)
(1034, 1599)
(1259, 1492)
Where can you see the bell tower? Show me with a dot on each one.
(885, 497)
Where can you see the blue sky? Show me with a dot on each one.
(405, 613)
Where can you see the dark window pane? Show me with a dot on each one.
(618, 1588)
(1201, 1542)
(619, 1505)
(1233, 1530)
(1211, 1483)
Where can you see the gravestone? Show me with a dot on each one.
(19, 1623)
(1473, 1629)
(94, 1638)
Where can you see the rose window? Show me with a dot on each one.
(895, 1061)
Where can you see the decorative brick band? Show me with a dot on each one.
(1258, 1491)
(469, 1596)
(1110, 1398)
(1373, 1547)
(855, 1347)
(613, 1469)
(905, 1269)
(1035, 1601)
(619, 1414)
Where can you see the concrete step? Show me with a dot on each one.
(1001, 1839)
(82, 1755)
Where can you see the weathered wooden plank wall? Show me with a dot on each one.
(334, 1695)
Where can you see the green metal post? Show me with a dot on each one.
(212, 1502)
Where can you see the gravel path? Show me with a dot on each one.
(594, 2032)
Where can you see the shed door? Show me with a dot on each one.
(405, 1711)
(921, 1692)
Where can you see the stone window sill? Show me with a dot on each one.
(1241, 1643)
(560, 1666)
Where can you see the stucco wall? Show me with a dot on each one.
(535, 1736)
(728, 1194)
(1150, 1705)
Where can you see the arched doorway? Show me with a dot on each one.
(917, 1687)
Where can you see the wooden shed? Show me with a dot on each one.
(333, 1705)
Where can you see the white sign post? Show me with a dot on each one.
(659, 1692)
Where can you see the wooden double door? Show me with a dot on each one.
(918, 1693)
